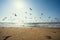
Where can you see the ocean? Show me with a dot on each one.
(41, 24)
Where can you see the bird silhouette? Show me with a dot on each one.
(15, 14)
(41, 13)
(49, 17)
(4, 18)
(40, 17)
(25, 12)
(30, 14)
(30, 8)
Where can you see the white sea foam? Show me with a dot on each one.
(48, 25)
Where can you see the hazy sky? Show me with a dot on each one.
(20, 10)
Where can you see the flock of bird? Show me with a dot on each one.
(49, 17)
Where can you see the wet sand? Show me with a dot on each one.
(19, 33)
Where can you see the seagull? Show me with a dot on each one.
(49, 17)
(25, 12)
(30, 8)
(41, 13)
(4, 18)
(30, 14)
(56, 19)
(40, 17)
(15, 15)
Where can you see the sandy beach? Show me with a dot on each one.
(20, 33)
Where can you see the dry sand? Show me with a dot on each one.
(18, 33)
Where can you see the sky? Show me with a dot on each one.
(21, 11)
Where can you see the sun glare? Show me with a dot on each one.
(20, 7)
(19, 4)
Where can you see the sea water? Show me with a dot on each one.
(48, 25)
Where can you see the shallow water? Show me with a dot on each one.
(46, 24)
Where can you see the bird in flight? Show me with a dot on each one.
(4, 18)
(41, 13)
(15, 15)
(30, 8)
